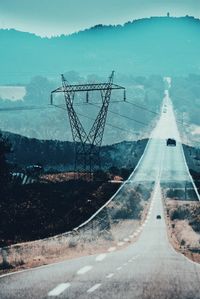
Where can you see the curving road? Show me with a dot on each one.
(148, 268)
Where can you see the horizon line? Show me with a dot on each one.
(96, 25)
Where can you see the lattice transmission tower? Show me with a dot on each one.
(87, 145)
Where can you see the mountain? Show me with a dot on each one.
(59, 155)
(158, 45)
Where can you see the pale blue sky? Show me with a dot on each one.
(53, 17)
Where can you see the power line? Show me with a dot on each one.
(91, 118)
(23, 108)
(29, 108)
(124, 116)
(140, 107)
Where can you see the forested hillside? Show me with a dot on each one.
(158, 45)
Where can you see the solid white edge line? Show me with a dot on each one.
(116, 193)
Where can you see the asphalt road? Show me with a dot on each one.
(148, 268)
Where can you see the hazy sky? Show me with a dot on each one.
(53, 17)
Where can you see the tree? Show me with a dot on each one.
(5, 177)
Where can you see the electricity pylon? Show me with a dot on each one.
(87, 146)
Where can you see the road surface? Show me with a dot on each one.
(148, 268)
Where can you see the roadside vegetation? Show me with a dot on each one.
(37, 211)
(57, 203)
(184, 227)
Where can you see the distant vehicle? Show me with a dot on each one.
(158, 217)
(171, 142)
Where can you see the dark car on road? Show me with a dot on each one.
(171, 142)
(158, 217)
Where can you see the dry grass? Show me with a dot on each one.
(181, 234)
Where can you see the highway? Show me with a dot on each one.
(147, 268)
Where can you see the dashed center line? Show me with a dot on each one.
(119, 268)
(110, 275)
(84, 270)
(129, 261)
(59, 289)
(120, 243)
(100, 257)
(92, 289)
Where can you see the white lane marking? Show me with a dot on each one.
(129, 261)
(110, 275)
(100, 257)
(59, 289)
(125, 264)
(92, 289)
(111, 249)
(119, 268)
(131, 236)
(120, 243)
(135, 257)
(84, 270)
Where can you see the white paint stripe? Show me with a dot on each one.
(125, 264)
(119, 268)
(111, 249)
(100, 257)
(84, 270)
(129, 261)
(120, 243)
(92, 289)
(110, 275)
(59, 289)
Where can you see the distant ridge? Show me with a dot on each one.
(156, 45)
